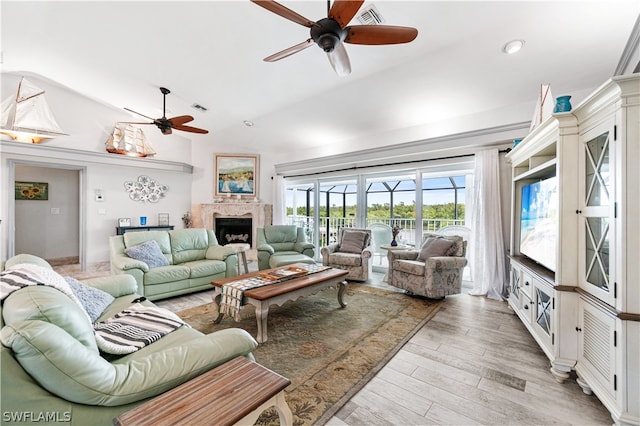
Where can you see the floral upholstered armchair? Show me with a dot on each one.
(351, 253)
(434, 271)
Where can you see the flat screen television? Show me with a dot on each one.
(539, 222)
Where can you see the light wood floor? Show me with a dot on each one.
(473, 363)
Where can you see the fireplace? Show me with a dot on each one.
(206, 215)
(233, 230)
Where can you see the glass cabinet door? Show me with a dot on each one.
(596, 209)
(515, 282)
(542, 316)
(543, 310)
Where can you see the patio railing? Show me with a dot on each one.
(329, 227)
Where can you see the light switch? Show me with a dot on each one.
(55, 210)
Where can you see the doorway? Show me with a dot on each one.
(49, 226)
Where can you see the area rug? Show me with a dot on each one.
(327, 352)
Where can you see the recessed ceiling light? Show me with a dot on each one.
(248, 123)
(513, 46)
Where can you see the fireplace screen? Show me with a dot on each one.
(233, 230)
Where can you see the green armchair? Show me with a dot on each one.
(280, 245)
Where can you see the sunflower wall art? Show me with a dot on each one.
(32, 191)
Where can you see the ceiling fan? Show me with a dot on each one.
(166, 124)
(332, 32)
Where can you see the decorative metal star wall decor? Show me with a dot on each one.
(146, 189)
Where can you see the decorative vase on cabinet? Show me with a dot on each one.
(563, 104)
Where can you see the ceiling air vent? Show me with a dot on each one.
(199, 107)
(370, 16)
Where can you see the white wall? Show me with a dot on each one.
(203, 190)
(89, 124)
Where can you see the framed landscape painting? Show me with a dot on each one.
(236, 174)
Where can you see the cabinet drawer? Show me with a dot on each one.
(527, 283)
(526, 307)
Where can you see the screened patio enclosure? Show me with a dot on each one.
(414, 203)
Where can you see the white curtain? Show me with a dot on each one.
(487, 255)
(280, 204)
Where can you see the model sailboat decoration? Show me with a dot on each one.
(130, 141)
(544, 106)
(26, 117)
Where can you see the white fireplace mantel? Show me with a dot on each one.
(203, 215)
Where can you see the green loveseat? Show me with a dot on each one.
(53, 372)
(194, 259)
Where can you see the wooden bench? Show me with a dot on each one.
(235, 393)
(279, 293)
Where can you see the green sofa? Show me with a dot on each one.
(194, 259)
(53, 372)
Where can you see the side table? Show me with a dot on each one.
(234, 393)
(242, 249)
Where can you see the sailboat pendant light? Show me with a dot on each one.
(27, 116)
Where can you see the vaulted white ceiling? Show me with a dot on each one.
(453, 77)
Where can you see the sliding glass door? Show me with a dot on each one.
(416, 202)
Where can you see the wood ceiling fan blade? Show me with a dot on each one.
(380, 34)
(135, 112)
(190, 129)
(181, 119)
(343, 11)
(339, 60)
(289, 51)
(285, 12)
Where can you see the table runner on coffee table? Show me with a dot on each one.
(233, 293)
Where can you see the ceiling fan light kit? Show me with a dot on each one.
(332, 32)
(327, 34)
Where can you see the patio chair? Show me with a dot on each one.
(380, 234)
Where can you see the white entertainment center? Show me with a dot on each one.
(584, 312)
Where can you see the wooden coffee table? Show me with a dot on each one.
(279, 293)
